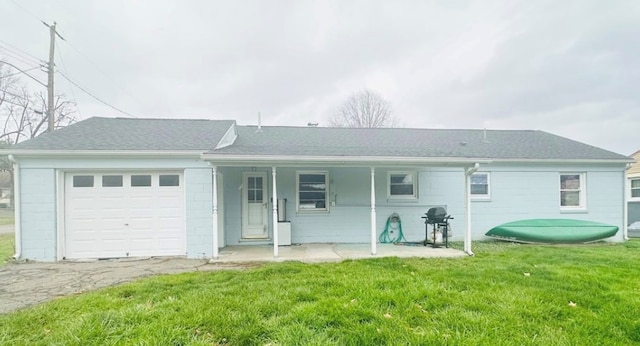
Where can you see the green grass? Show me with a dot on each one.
(481, 300)
(7, 248)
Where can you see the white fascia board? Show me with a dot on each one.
(560, 161)
(228, 138)
(101, 153)
(268, 160)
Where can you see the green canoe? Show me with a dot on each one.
(552, 231)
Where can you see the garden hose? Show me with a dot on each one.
(394, 224)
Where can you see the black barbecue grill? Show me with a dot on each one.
(438, 218)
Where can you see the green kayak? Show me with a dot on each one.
(552, 231)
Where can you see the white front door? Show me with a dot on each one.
(254, 206)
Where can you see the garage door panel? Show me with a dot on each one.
(123, 221)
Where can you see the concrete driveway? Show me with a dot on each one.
(26, 284)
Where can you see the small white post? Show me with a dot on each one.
(214, 176)
(467, 208)
(275, 213)
(373, 211)
(467, 216)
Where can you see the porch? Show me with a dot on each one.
(329, 252)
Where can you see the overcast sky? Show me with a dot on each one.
(571, 68)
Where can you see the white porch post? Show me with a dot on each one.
(373, 211)
(214, 175)
(467, 208)
(275, 213)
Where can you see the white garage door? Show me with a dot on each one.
(109, 215)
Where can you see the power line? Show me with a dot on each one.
(94, 96)
(72, 92)
(26, 11)
(21, 70)
(102, 71)
(14, 95)
(16, 56)
(24, 106)
(13, 74)
(21, 52)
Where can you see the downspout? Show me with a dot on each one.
(214, 213)
(16, 207)
(625, 206)
(467, 207)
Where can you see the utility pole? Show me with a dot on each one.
(50, 70)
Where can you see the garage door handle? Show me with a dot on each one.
(126, 224)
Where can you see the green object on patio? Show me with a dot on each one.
(552, 231)
(394, 225)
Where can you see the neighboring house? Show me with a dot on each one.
(633, 195)
(111, 187)
(5, 189)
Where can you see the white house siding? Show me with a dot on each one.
(532, 191)
(39, 196)
(348, 221)
(38, 219)
(198, 191)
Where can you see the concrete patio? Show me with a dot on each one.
(313, 253)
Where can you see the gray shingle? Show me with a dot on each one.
(203, 135)
(499, 144)
(132, 134)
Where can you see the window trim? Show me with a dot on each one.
(631, 188)
(414, 175)
(326, 193)
(582, 204)
(483, 197)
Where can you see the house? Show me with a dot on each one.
(633, 195)
(113, 187)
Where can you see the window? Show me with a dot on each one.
(83, 181)
(572, 194)
(254, 190)
(402, 185)
(169, 180)
(635, 188)
(111, 181)
(312, 191)
(140, 180)
(480, 185)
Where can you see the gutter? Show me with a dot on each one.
(16, 207)
(269, 160)
(101, 153)
(467, 206)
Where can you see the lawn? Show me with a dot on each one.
(506, 295)
(6, 247)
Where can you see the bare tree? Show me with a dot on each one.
(364, 109)
(23, 114)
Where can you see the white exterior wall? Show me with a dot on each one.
(348, 221)
(518, 192)
(533, 191)
(39, 195)
(38, 208)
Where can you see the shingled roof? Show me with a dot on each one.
(402, 142)
(132, 134)
(121, 134)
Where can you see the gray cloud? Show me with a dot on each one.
(565, 67)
